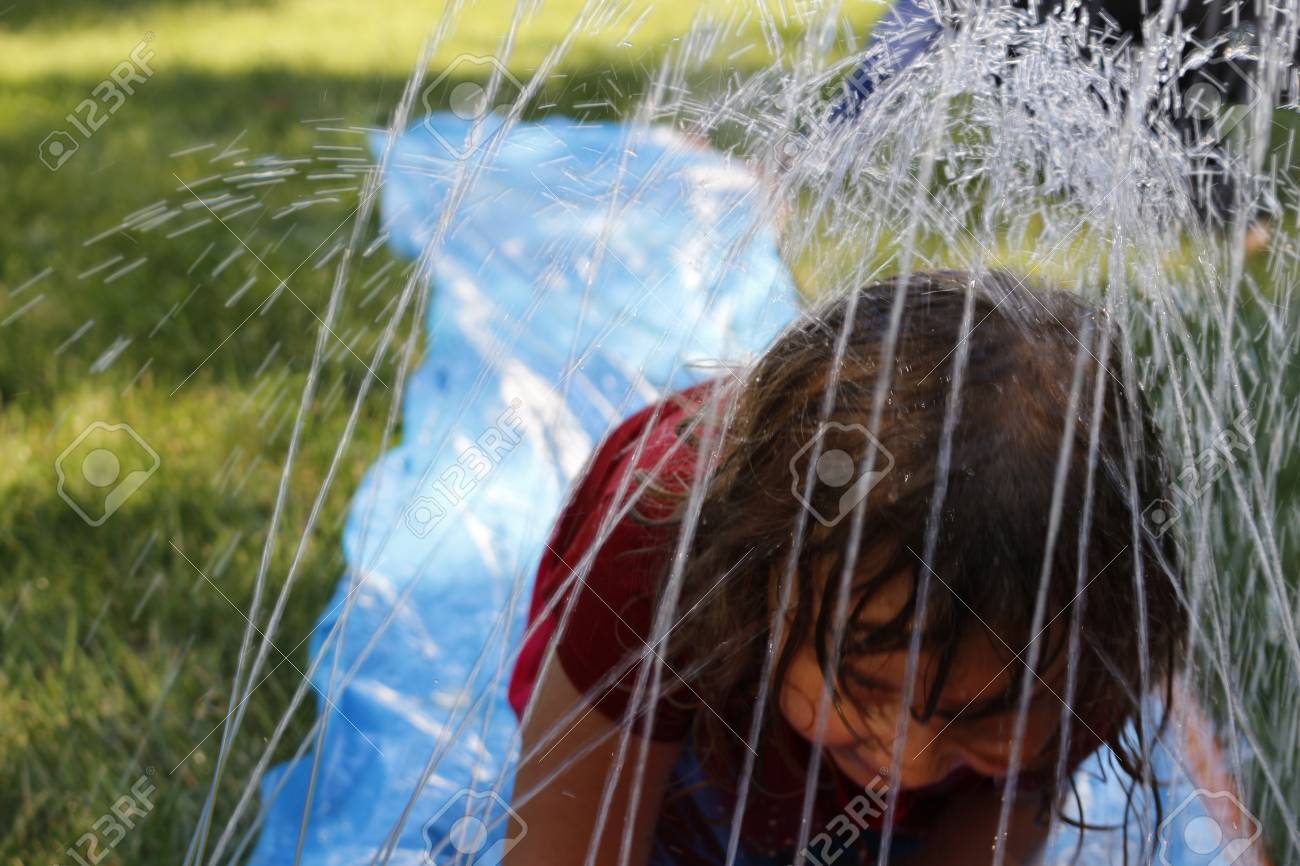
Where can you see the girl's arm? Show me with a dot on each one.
(561, 817)
(964, 831)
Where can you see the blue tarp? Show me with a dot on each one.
(579, 271)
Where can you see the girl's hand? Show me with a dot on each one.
(561, 812)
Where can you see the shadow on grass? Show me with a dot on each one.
(62, 13)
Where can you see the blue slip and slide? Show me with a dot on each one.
(580, 271)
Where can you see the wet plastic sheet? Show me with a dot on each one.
(579, 271)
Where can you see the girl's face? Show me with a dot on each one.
(967, 729)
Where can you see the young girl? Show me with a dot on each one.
(855, 596)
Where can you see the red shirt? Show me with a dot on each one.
(611, 623)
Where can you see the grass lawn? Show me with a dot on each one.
(118, 643)
(117, 654)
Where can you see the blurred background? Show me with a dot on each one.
(123, 297)
(118, 642)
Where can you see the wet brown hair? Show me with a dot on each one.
(1029, 363)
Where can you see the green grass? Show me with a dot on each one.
(117, 655)
(98, 619)
(84, 38)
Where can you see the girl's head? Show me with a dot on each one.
(955, 459)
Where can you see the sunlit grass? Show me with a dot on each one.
(338, 37)
(118, 655)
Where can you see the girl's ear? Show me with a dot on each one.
(797, 705)
(800, 698)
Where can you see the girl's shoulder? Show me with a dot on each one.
(643, 469)
(606, 554)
